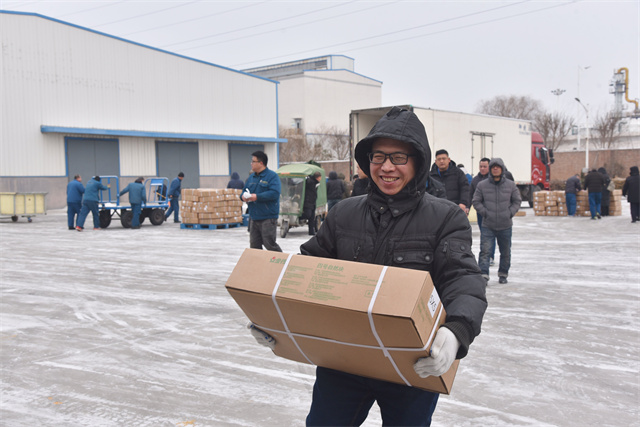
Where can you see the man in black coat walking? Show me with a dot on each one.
(455, 181)
(631, 189)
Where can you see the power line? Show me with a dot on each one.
(292, 26)
(195, 19)
(407, 38)
(146, 14)
(259, 25)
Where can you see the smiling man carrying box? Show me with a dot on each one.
(397, 225)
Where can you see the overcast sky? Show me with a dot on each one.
(440, 54)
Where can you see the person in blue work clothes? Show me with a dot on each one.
(75, 190)
(262, 194)
(174, 198)
(137, 197)
(90, 203)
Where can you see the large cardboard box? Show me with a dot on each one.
(364, 319)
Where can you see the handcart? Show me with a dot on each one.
(292, 179)
(26, 205)
(154, 209)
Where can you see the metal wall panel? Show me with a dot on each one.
(137, 156)
(56, 74)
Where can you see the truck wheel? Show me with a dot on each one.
(125, 218)
(105, 218)
(284, 228)
(157, 216)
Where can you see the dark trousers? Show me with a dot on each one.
(174, 206)
(310, 216)
(635, 212)
(89, 206)
(571, 203)
(488, 239)
(341, 399)
(135, 210)
(493, 248)
(73, 210)
(263, 232)
(594, 203)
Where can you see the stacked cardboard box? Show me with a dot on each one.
(211, 206)
(582, 203)
(615, 203)
(549, 203)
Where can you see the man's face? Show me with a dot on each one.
(484, 168)
(256, 165)
(496, 171)
(391, 178)
(443, 161)
(80, 179)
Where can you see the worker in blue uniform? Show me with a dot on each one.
(137, 197)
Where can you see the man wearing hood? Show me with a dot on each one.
(631, 189)
(398, 224)
(335, 190)
(497, 199)
(235, 182)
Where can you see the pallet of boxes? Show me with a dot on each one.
(210, 208)
(549, 203)
(553, 203)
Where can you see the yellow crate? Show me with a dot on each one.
(15, 204)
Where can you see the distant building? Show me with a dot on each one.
(319, 93)
(78, 101)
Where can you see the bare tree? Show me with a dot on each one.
(554, 128)
(334, 142)
(606, 128)
(517, 107)
(296, 149)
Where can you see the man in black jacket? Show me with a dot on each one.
(631, 189)
(594, 182)
(571, 188)
(398, 224)
(454, 180)
(310, 201)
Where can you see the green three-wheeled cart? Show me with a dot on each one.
(292, 178)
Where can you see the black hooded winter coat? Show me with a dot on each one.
(631, 187)
(411, 229)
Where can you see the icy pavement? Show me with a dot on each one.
(135, 328)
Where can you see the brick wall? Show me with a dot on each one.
(616, 162)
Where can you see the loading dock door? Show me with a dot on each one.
(90, 157)
(240, 159)
(176, 157)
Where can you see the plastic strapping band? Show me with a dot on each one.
(275, 302)
(373, 327)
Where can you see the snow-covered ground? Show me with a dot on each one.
(135, 328)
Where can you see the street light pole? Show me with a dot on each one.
(557, 93)
(587, 144)
(580, 68)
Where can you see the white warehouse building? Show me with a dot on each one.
(78, 101)
(319, 93)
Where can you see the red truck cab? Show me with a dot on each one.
(541, 160)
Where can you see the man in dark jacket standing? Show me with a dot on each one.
(606, 194)
(631, 189)
(310, 201)
(398, 224)
(75, 190)
(174, 198)
(483, 173)
(571, 188)
(455, 181)
(335, 190)
(497, 199)
(262, 194)
(137, 197)
(594, 182)
(235, 182)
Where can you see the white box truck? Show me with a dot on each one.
(470, 137)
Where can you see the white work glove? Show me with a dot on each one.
(443, 353)
(261, 337)
(246, 195)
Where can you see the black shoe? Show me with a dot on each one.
(502, 280)
(177, 222)
(135, 228)
(598, 216)
(72, 228)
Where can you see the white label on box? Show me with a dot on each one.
(434, 301)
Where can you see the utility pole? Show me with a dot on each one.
(557, 93)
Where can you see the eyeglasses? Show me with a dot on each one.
(378, 158)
